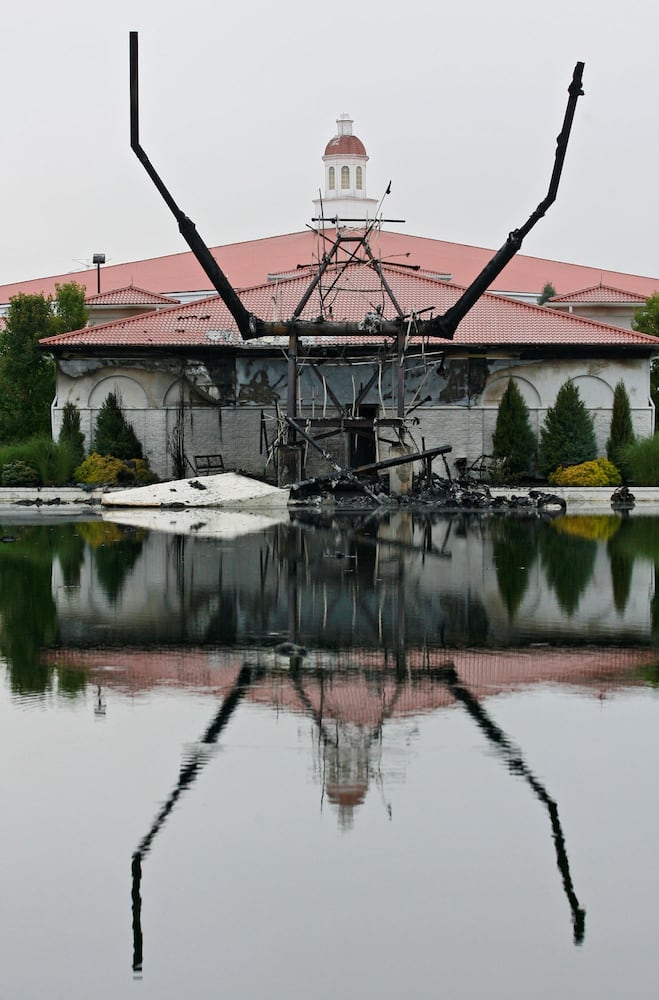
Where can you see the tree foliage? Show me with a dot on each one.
(513, 440)
(69, 309)
(113, 435)
(621, 434)
(567, 436)
(547, 293)
(70, 433)
(642, 462)
(646, 319)
(27, 375)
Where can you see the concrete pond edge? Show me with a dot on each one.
(232, 491)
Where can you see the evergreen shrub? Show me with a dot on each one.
(567, 436)
(621, 434)
(71, 434)
(19, 473)
(514, 442)
(113, 435)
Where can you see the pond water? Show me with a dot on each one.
(334, 756)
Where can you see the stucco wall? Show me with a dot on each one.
(464, 396)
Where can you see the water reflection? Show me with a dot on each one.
(347, 752)
(357, 625)
(332, 583)
(188, 774)
(516, 764)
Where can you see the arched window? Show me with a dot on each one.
(331, 183)
(358, 178)
(345, 178)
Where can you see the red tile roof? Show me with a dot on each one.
(250, 263)
(345, 145)
(495, 321)
(129, 296)
(597, 294)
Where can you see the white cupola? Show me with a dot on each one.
(345, 162)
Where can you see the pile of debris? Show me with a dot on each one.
(348, 492)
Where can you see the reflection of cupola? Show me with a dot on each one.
(345, 162)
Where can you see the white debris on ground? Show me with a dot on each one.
(228, 490)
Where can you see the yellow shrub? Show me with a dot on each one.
(600, 472)
(99, 470)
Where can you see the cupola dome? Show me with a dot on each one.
(344, 200)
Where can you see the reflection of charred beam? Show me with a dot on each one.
(327, 736)
(357, 533)
(449, 676)
(188, 774)
(136, 876)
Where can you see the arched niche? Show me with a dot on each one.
(129, 392)
(495, 389)
(181, 389)
(595, 392)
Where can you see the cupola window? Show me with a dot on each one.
(345, 178)
(358, 178)
(331, 181)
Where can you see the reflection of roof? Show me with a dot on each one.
(493, 321)
(249, 263)
(346, 795)
(360, 686)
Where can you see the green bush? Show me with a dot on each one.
(567, 436)
(601, 472)
(19, 473)
(71, 434)
(52, 462)
(622, 431)
(97, 470)
(113, 435)
(514, 442)
(642, 461)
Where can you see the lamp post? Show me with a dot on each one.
(98, 259)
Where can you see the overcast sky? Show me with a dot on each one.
(459, 105)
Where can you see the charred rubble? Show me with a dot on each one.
(345, 491)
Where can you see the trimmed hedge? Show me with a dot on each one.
(599, 472)
(20, 474)
(101, 470)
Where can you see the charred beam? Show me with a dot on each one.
(354, 473)
(448, 323)
(251, 327)
(248, 324)
(339, 472)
